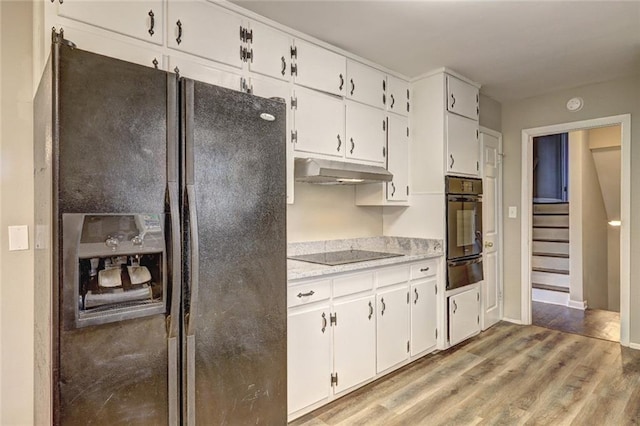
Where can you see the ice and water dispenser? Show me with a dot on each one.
(119, 266)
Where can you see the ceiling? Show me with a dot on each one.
(514, 49)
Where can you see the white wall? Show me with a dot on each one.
(594, 224)
(16, 208)
(328, 212)
(601, 100)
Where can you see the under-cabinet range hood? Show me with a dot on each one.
(329, 172)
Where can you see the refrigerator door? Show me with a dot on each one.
(235, 239)
(113, 137)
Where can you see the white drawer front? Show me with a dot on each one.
(395, 275)
(308, 293)
(351, 284)
(423, 269)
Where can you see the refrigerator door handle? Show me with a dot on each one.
(174, 308)
(194, 261)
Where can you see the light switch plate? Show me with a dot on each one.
(18, 237)
(513, 212)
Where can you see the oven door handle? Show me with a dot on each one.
(468, 199)
(465, 261)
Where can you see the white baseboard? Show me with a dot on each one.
(578, 305)
(634, 346)
(551, 297)
(511, 320)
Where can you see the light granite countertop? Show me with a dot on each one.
(412, 249)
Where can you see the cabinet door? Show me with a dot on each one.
(365, 130)
(462, 145)
(398, 157)
(423, 316)
(143, 20)
(318, 121)
(397, 95)
(270, 52)
(308, 357)
(365, 84)
(319, 68)
(109, 46)
(392, 345)
(464, 315)
(269, 88)
(205, 73)
(462, 98)
(206, 30)
(354, 337)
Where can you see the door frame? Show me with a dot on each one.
(624, 121)
(500, 277)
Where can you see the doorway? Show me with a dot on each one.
(527, 217)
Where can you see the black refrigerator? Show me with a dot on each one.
(160, 247)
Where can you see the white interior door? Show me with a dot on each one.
(491, 207)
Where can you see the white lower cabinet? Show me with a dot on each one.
(392, 345)
(424, 319)
(354, 339)
(351, 328)
(464, 315)
(308, 357)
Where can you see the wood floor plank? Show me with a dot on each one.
(508, 375)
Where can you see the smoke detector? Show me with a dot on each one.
(575, 104)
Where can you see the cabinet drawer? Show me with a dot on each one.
(308, 293)
(352, 284)
(423, 269)
(395, 275)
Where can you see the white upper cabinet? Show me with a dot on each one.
(397, 96)
(365, 84)
(365, 130)
(270, 51)
(462, 98)
(463, 148)
(108, 46)
(206, 30)
(398, 158)
(143, 20)
(318, 121)
(319, 68)
(205, 73)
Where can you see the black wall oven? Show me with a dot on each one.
(464, 231)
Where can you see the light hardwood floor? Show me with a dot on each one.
(507, 375)
(591, 322)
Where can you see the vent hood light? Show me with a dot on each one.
(331, 172)
(615, 223)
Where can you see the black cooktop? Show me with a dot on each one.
(333, 258)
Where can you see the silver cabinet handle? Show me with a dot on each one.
(370, 310)
(424, 269)
(284, 65)
(453, 100)
(310, 293)
(417, 296)
(393, 101)
(384, 306)
(339, 143)
(455, 306)
(452, 161)
(341, 82)
(324, 322)
(393, 189)
(353, 145)
(353, 86)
